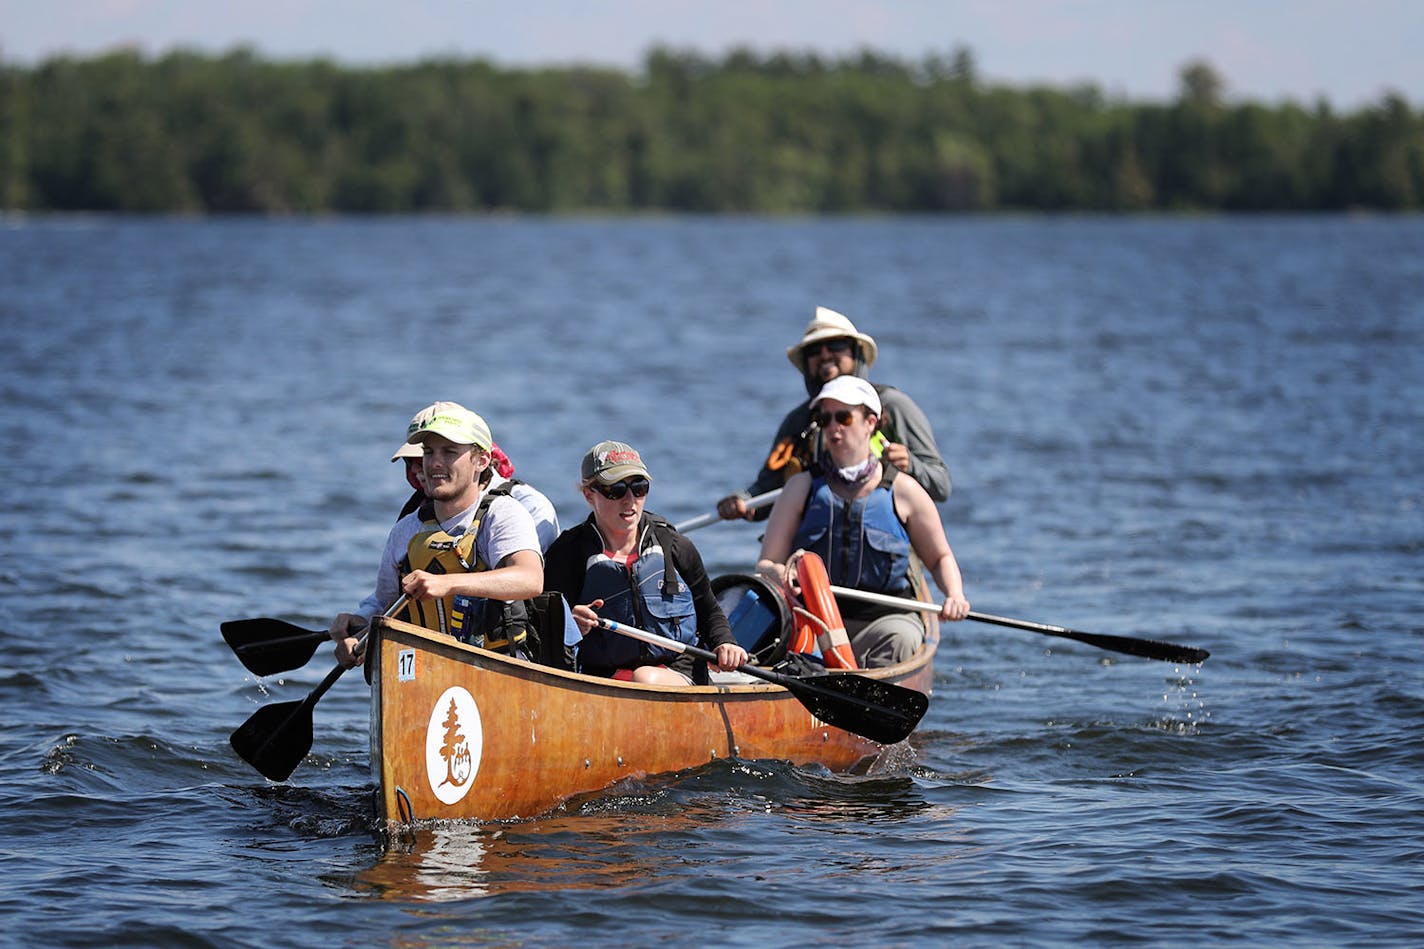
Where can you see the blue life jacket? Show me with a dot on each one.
(648, 595)
(863, 542)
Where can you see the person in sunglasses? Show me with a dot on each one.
(833, 347)
(864, 520)
(627, 564)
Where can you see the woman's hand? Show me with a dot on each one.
(954, 608)
(585, 616)
(772, 571)
(730, 656)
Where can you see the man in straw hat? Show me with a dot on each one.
(465, 558)
(831, 347)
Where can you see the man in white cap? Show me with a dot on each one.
(465, 558)
(832, 347)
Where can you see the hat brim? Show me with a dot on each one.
(797, 354)
(450, 433)
(619, 472)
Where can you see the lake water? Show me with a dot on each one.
(1204, 431)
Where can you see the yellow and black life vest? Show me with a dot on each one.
(494, 624)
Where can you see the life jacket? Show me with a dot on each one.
(496, 625)
(649, 594)
(862, 542)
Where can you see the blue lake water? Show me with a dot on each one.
(1197, 430)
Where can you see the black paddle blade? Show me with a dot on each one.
(268, 646)
(880, 711)
(1146, 648)
(276, 738)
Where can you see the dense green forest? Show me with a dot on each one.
(187, 132)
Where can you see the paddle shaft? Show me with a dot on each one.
(1131, 645)
(654, 639)
(878, 710)
(276, 738)
(702, 520)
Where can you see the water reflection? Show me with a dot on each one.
(460, 861)
(639, 831)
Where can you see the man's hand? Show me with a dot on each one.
(732, 507)
(420, 585)
(897, 454)
(345, 630)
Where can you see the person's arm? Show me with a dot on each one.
(769, 478)
(781, 528)
(564, 567)
(518, 576)
(712, 626)
(346, 628)
(913, 448)
(921, 517)
(507, 540)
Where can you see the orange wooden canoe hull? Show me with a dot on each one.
(459, 733)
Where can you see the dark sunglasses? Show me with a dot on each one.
(843, 417)
(834, 346)
(616, 490)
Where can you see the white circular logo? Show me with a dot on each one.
(454, 741)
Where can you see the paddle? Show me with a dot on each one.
(267, 646)
(1146, 648)
(276, 738)
(702, 520)
(881, 711)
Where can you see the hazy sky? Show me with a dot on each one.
(1350, 51)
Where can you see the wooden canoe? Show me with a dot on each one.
(460, 733)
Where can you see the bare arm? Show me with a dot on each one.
(519, 576)
(781, 527)
(913, 449)
(913, 505)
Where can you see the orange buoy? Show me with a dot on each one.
(816, 595)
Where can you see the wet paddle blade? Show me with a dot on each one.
(268, 646)
(880, 711)
(276, 738)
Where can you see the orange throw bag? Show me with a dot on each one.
(821, 603)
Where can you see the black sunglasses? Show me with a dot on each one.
(843, 416)
(616, 490)
(835, 346)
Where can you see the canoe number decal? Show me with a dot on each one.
(405, 665)
(454, 741)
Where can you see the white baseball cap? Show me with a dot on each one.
(852, 390)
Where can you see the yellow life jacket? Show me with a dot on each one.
(458, 615)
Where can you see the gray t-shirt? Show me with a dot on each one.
(507, 528)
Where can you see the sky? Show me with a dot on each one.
(1350, 52)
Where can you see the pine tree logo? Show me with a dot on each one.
(454, 741)
(455, 750)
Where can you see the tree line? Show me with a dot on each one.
(784, 132)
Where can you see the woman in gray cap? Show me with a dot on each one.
(629, 565)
